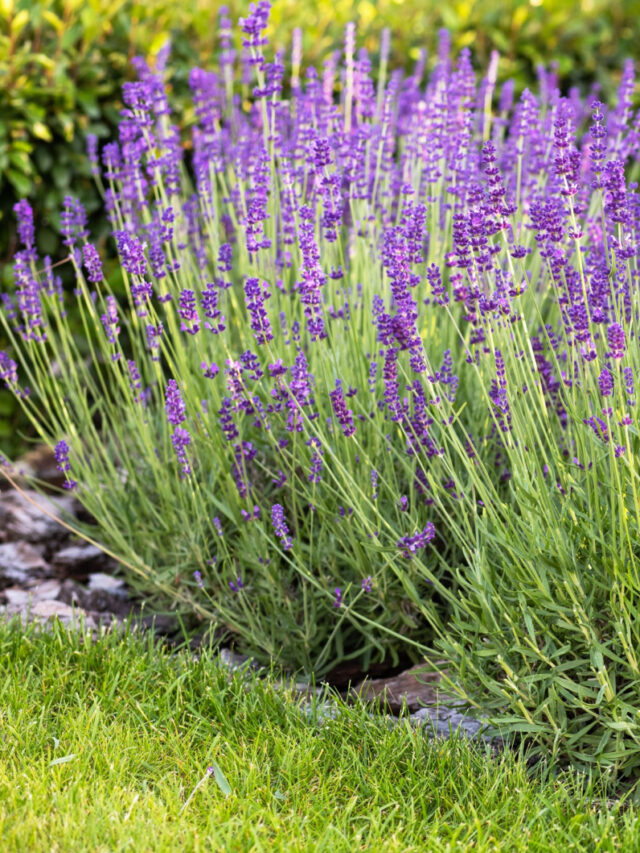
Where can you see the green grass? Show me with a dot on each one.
(101, 744)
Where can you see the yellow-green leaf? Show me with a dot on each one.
(19, 22)
(51, 18)
(41, 131)
(44, 60)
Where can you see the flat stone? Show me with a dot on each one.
(43, 591)
(100, 582)
(416, 687)
(101, 603)
(75, 559)
(234, 661)
(447, 721)
(15, 596)
(46, 590)
(51, 609)
(22, 520)
(19, 562)
(41, 464)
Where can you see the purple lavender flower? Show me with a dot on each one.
(92, 263)
(188, 312)
(224, 257)
(627, 374)
(277, 369)
(366, 584)
(313, 278)
(390, 378)
(218, 526)
(374, 484)
(227, 424)
(110, 320)
(259, 319)
(210, 371)
(254, 24)
(237, 586)
(337, 601)
(153, 339)
(616, 340)
(174, 404)
(599, 427)
(92, 154)
(280, 526)
(61, 453)
(343, 415)
(198, 579)
(605, 382)
(410, 545)
(315, 471)
(26, 231)
(209, 302)
(73, 222)
(181, 439)
(8, 370)
(498, 394)
(131, 253)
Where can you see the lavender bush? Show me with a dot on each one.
(372, 387)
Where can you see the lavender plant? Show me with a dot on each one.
(372, 386)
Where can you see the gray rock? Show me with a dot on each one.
(447, 721)
(234, 661)
(47, 610)
(20, 562)
(15, 596)
(40, 462)
(96, 600)
(78, 559)
(414, 687)
(20, 519)
(100, 582)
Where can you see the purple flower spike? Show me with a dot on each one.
(210, 371)
(616, 340)
(280, 526)
(254, 298)
(409, 545)
(181, 440)
(342, 413)
(198, 579)
(174, 406)
(92, 154)
(337, 601)
(237, 586)
(73, 222)
(92, 263)
(188, 313)
(605, 382)
(8, 370)
(26, 232)
(366, 584)
(131, 253)
(224, 257)
(374, 483)
(61, 453)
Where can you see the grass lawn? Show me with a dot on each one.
(106, 745)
